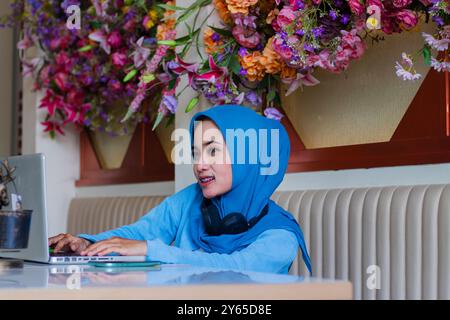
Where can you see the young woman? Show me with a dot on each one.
(226, 219)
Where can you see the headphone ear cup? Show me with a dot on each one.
(211, 218)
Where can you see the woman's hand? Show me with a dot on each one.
(124, 247)
(66, 242)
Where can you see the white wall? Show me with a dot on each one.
(6, 84)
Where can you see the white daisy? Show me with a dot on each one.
(405, 74)
(437, 44)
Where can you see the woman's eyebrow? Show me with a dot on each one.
(207, 143)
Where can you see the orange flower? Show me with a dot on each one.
(270, 59)
(272, 15)
(167, 25)
(240, 6)
(252, 64)
(288, 74)
(222, 10)
(212, 46)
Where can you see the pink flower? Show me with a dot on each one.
(52, 126)
(30, 66)
(407, 18)
(62, 81)
(356, 7)
(114, 85)
(25, 43)
(130, 25)
(401, 3)
(377, 3)
(282, 49)
(119, 59)
(75, 97)
(100, 37)
(75, 114)
(140, 54)
(114, 39)
(300, 81)
(285, 17)
(215, 72)
(51, 102)
(248, 38)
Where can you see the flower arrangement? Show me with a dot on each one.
(90, 75)
(263, 43)
(125, 52)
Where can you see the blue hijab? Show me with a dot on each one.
(251, 190)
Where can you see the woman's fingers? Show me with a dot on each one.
(62, 243)
(95, 248)
(56, 238)
(111, 249)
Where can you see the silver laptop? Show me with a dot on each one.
(31, 185)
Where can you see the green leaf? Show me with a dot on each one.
(158, 120)
(171, 43)
(172, 84)
(85, 48)
(169, 7)
(427, 55)
(271, 95)
(192, 104)
(222, 32)
(234, 64)
(130, 75)
(148, 77)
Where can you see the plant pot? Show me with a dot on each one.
(110, 150)
(14, 229)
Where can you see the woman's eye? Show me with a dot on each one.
(212, 152)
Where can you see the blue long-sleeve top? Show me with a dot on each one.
(166, 230)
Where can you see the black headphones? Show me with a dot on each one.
(232, 223)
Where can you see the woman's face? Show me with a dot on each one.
(212, 165)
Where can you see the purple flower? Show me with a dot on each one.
(300, 32)
(169, 103)
(273, 113)
(438, 20)
(242, 51)
(317, 32)
(308, 47)
(345, 18)
(253, 98)
(333, 15)
(215, 37)
(243, 72)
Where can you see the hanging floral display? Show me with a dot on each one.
(91, 67)
(263, 43)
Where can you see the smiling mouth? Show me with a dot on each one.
(206, 180)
